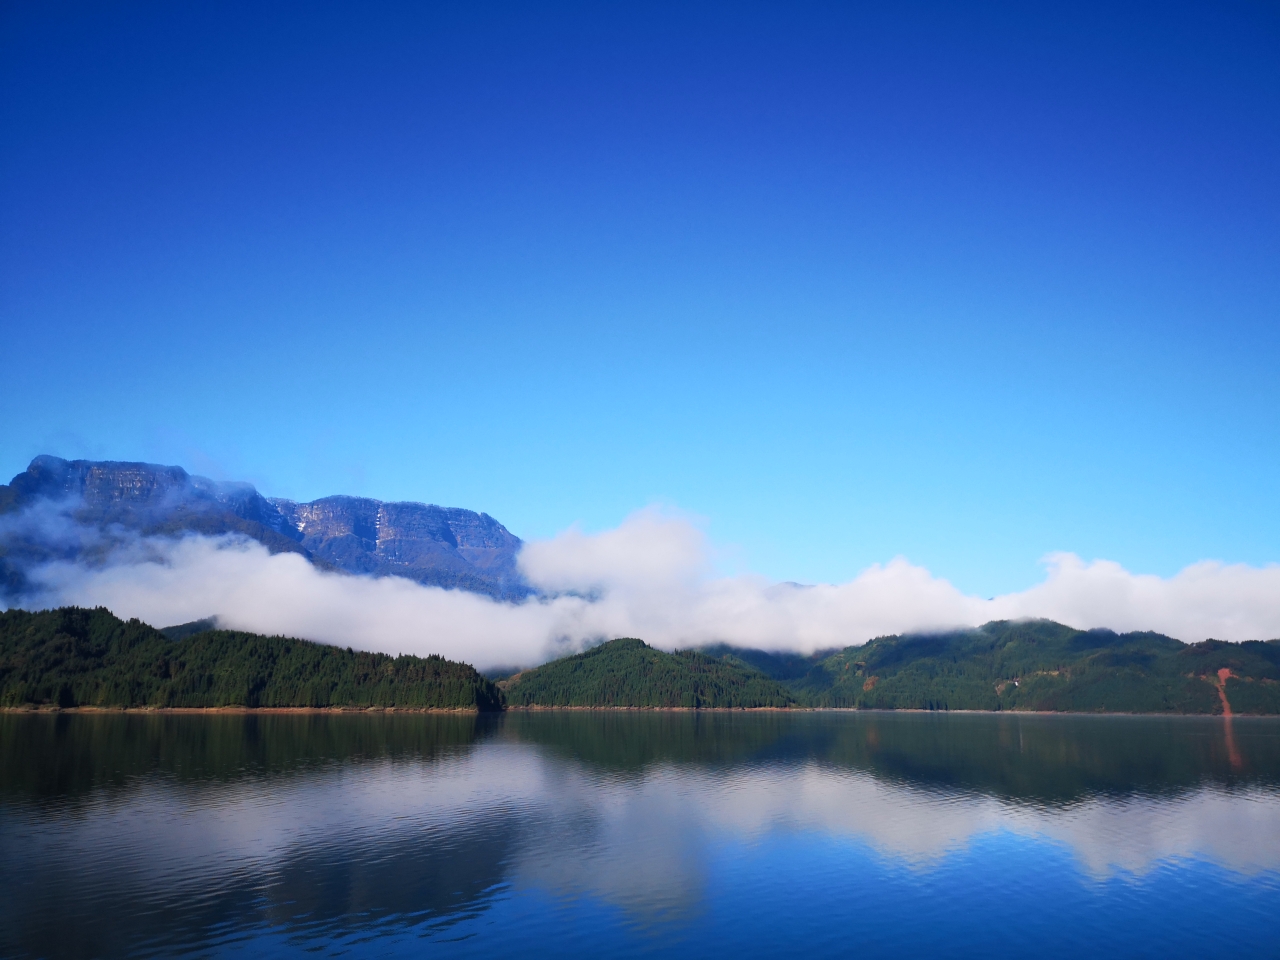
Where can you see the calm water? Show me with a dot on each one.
(609, 834)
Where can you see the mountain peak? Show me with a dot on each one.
(437, 546)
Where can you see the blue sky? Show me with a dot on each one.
(964, 283)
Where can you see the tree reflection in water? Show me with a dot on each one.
(175, 833)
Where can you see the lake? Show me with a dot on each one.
(635, 834)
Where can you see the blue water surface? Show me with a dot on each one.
(881, 835)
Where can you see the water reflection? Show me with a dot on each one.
(1027, 758)
(170, 833)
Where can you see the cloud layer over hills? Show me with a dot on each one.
(651, 577)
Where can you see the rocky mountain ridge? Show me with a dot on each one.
(437, 546)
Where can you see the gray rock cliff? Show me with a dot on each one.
(438, 546)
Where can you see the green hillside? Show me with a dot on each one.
(76, 657)
(1032, 665)
(630, 673)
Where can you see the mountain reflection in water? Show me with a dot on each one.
(636, 833)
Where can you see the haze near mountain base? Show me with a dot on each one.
(154, 543)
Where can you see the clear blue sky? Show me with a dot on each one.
(966, 283)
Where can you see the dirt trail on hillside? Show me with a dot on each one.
(1233, 754)
(1223, 674)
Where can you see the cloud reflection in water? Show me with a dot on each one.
(384, 841)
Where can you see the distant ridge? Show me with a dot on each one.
(1030, 665)
(437, 546)
(183, 630)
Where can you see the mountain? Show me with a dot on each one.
(75, 657)
(1031, 665)
(630, 673)
(442, 546)
(72, 656)
(107, 500)
(1005, 665)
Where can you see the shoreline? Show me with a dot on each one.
(44, 710)
(49, 711)
(538, 708)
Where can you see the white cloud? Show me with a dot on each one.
(639, 841)
(1207, 599)
(650, 577)
(250, 589)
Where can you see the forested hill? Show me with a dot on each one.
(1031, 665)
(630, 673)
(75, 657)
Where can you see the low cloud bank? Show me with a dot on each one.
(650, 577)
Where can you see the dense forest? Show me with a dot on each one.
(74, 657)
(630, 673)
(1031, 665)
